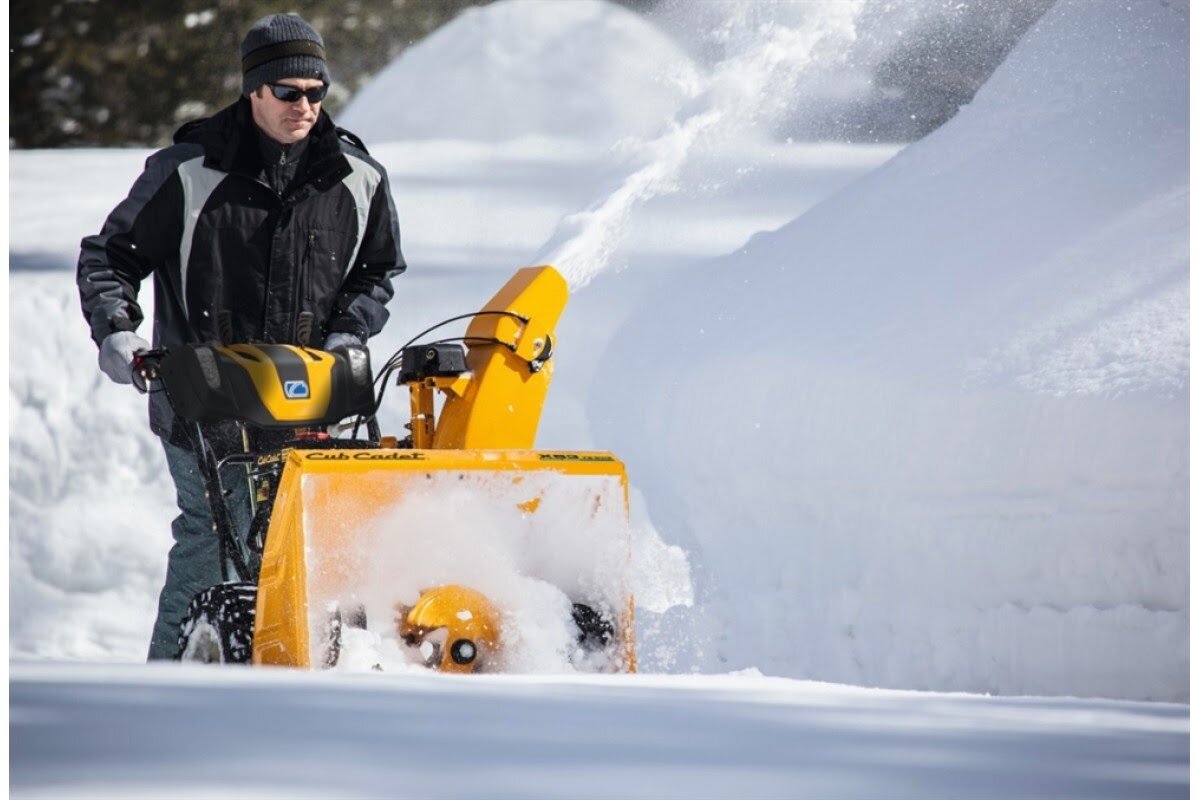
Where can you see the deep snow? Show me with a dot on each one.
(930, 433)
(934, 432)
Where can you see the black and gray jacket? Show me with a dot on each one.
(205, 220)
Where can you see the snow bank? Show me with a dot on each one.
(933, 433)
(517, 68)
(86, 559)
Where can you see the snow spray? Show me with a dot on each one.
(747, 89)
(473, 530)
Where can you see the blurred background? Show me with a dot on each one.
(118, 73)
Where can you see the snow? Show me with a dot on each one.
(945, 412)
(527, 67)
(508, 736)
(447, 528)
(910, 418)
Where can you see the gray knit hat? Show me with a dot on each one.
(282, 46)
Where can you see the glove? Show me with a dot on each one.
(117, 352)
(340, 339)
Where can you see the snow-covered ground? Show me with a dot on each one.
(246, 734)
(916, 422)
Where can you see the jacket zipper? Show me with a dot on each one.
(303, 291)
(266, 308)
(308, 290)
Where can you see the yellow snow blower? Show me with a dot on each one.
(447, 539)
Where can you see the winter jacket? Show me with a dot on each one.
(205, 221)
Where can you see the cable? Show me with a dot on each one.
(393, 361)
(475, 340)
(140, 384)
(468, 339)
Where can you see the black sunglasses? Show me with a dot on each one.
(290, 94)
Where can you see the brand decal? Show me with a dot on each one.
(295, 390)
(573, 457)
(364, 455)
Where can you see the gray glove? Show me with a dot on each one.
(340, 339)
(116, 355)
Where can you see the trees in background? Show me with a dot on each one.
(129, 72)
(123, 72)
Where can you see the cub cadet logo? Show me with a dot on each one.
(573, 457)
(365, 455)
(295, 390)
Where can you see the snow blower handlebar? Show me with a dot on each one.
(494, 388)
(145, 368)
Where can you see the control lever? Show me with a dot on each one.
(145, 368)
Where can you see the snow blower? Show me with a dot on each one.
(417, 536)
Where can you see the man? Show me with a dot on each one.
(263, 222)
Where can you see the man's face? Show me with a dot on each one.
(286, 123)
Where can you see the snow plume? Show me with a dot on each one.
(741, 95)
(475, 531)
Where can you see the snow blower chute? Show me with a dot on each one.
(438, 538)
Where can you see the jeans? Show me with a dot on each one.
(193, 564)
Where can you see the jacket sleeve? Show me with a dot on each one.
(360, 307)
(141, 234)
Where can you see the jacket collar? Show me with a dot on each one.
(230, 145)
(273, 152)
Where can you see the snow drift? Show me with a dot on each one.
(587, 69)
(933, 433)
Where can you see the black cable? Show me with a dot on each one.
(140, 382)
(143, 389)
(468, 339)
(393, 362)
(474, 340)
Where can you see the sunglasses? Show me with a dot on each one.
(290, 94)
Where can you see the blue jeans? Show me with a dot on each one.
(193, 564)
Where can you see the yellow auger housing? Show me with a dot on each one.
(468, 504)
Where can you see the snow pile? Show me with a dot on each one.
(518, 68)
(934, 432)
(85, 563)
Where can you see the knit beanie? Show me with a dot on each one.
(282, 46)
